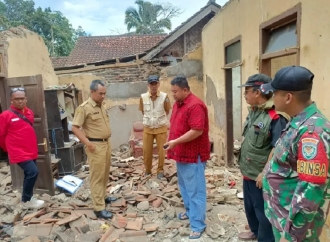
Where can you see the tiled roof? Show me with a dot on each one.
(99, 48)
(58, 61)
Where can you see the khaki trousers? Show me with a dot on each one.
(148, 141)
(99, 168)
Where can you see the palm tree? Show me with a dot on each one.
(146, 19)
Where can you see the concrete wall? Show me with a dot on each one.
(192, 68)
(243, 18)
(25, 54)
(126, 82)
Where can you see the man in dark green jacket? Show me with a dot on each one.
(262, 129)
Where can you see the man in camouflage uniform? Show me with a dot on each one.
(296, 180)
(262, 129)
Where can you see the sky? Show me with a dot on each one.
(106, 17)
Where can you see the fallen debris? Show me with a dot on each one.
(145, 210)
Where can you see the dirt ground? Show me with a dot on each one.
(146, 209)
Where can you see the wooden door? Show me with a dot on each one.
(36, 102)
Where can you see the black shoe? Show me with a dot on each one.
(108, 200)
(103, 214)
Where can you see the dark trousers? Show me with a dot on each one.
(255, 213)
(30, 177)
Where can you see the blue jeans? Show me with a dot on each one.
(192, 185)
(30, 177)
(255, 213)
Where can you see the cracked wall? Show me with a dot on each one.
(25, 54)
(243, 19)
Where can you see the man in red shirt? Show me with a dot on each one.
(189, 146)
(18, 138)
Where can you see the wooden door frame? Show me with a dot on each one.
(4, 98)
(45, 156)
(289, 16)
(229, 157)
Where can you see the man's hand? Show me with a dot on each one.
(91, 147)
(284, 240)
(170, 145)
(259, 180)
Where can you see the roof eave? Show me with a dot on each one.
(211, 8)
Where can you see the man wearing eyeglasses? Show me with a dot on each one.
(155, 106)
(261, 131)
(18, 138)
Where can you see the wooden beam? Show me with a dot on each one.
(182, 29)
(289, 51)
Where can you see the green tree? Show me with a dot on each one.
(150, 18)
(56, 30)
(80, 32)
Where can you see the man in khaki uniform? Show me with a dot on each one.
(92, 117)
(155, 106)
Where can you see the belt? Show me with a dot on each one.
(98, 140)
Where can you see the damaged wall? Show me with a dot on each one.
(243, 19)
(25, 54)
(192, 68)
(127, 81)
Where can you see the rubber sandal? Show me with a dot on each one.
(246, 236)
(196, 236)
(183, 216)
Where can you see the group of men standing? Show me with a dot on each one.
(284, 158)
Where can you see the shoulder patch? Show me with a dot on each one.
(313, 163)
(309, 148)
(84, 103)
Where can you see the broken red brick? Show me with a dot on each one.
(152, 197)
(141, 198)
(157, 202)
(131, 215)
(150, 227)
(119, 221)
(142, 192)
(33, 215)
(119, 203)
(88, 212)
(68, 219)
(107, 234)
(114, 236)
(135, 225)
(132, 234)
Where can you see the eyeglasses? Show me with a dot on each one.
(16, 89)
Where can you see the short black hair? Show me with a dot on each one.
(95, 83)
(303, 96)
(180, 81)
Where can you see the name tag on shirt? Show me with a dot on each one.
(14, 119)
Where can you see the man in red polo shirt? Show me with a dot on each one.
(189, 146)
(17, 137)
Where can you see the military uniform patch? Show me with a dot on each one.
(261, 125)
(309, 148)
(312, 162)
